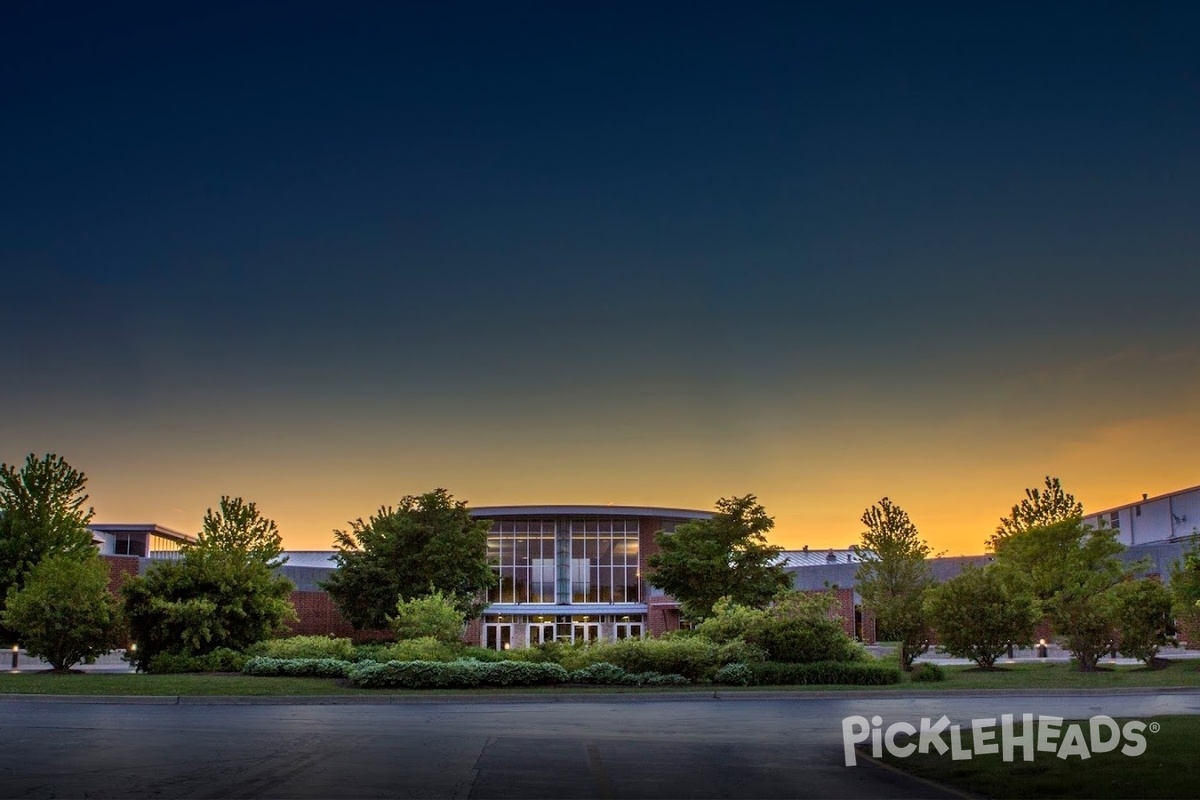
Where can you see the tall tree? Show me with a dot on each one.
(1185, 589)
(894, 576)
(1039, 509)
(725, 556)
(43, 512)
(427, 543)
(238, 527)
(1071, 569)
(224, 592)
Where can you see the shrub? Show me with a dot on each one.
(927, 672)
(369, 652)
(64, 613)
(307, 647)
(693, 657)
(1000, 614)
(297, 667)
(223, 659)
(798, 627)
(426, 648)
(657, 679)
(773, 673)
(463, 673)
(734, 675)
(433, 615)
(601, 674)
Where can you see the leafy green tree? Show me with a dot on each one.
(427, 543)
(223, 593)
(42, 513)
(238, 527)
(434, 615)
(976, 616)
(64, 613)
(203, 602)
(1039, 509)
(725, 556)
(1143, 618)
(893, 576)
(1185, 588)
(1070, 569)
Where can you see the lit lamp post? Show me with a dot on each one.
(1043, 651)
(16, 652)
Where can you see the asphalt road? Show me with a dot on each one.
(596, 747)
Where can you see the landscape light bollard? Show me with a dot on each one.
(1010, 651)
(1042, 650)
(16, 652)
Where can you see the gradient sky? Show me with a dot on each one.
(323, 257)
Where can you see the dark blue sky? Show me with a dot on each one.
(325, 211)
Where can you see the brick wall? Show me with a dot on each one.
(120, 569)
(320, 617)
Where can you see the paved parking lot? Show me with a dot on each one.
(695, 747)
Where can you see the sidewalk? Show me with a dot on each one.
(114, 662)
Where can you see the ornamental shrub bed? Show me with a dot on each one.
(297, 667)
(604, 674)
(306, 647)
(693, 657)
(223, 659)
(459, 674)
(774, 673)
(925, 671)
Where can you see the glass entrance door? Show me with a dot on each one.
(586, 631)
(629, 630)
(540, 633)
(497, 635)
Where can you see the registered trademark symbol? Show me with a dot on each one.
(1155, 727)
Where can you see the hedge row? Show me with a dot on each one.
(460, 674)
(604, 674)
(773, 673)
(297, 667)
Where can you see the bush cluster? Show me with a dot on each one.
(264, 666)
(604, 674)
(693, 657)
(774, 673)
(424, 648)
(796, 628)
(460, 674)
(306, 647)
(223, 659)
(927, 672)
(734, 675)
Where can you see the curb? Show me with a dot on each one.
(597, 697)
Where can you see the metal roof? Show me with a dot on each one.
(818, 558)
(310, 558)
(488, 512)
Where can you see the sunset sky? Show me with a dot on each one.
(322, 257)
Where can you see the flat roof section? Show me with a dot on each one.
(491, 512)
(142, 527)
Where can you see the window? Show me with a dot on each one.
(522, 553)
(1114, 519)
(605, 565)
(129, 544)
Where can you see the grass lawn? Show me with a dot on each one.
(1165, 769)
(1024, 676)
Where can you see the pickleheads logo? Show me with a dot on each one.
(1081, 739)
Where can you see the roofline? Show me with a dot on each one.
(142, 527)
(1163, 496)
(588, 510)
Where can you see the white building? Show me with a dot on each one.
(1165, 518)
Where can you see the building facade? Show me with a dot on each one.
(574, 574)
(1165, 518)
